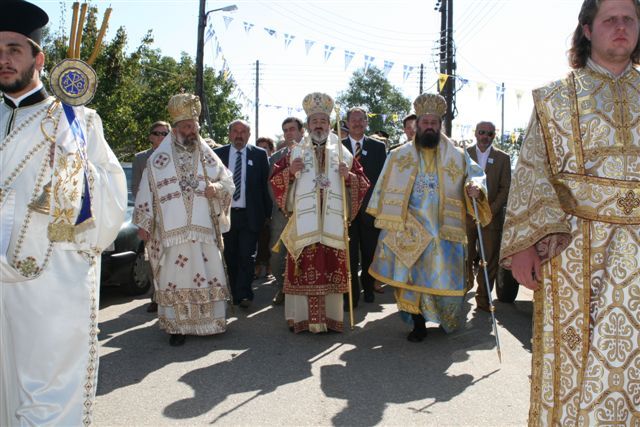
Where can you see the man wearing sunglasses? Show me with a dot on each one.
(497, 167)
(159, 130)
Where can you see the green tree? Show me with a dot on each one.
(134, 87)
(512, 146)
(384, 102)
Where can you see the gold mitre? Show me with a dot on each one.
(317, 102)
(184, 106)
(430, 103)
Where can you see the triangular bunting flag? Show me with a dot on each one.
(481, 87)
(442, 80)
(288, 38)
(368, 60)
(519, 94)
(348, 56)
(308, 44)
(210, 33)
(499, 93)
(328, 50)
(247, 27)
(388, 65)
(406, 72)
(227, 21)
(270, 31)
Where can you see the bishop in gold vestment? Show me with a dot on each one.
(575, 197)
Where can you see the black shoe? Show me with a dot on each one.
(152, 307)
(417, 335)
(176, 340)
(369, 296)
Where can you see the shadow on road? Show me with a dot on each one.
(373, 366)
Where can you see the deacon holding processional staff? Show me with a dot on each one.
(308, 187)
(62, 198)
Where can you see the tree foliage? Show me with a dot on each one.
(512, 144)
(384, 102)
(134, 87)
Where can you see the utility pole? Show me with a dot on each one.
(447, 60)
(257, 96)
(202, 23)
(421, 78)
(202, 17)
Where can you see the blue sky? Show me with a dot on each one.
(519, 42)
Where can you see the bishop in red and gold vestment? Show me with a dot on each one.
(307, 186)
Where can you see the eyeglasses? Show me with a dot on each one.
(489, 133)
(159, 133)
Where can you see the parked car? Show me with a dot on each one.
(123, 262)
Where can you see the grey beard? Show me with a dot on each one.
(427, 140)
(186, 142)
(319, 138)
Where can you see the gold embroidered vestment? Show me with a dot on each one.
(576, 197)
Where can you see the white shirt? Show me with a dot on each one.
(242, 201)
(483, 157)
(353, 144)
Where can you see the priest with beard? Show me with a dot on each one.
(181, 209)
(308, 187)
(420, 204)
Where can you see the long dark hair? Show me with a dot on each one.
(581, 46)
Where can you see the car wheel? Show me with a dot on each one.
(140, 276)
(506, 286)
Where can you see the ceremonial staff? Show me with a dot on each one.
(345, 219)
(483, 264)
(216, 227)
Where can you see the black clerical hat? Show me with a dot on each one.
(24, 18)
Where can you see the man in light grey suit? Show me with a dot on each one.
(157, 132)
(497, 167)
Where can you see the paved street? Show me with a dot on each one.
(259, 373)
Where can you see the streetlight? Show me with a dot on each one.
(202, 21)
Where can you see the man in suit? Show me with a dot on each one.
(497, 167)
(157, 133)
(293, 131)
(363, 236)
(250, 208)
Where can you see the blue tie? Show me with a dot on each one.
(237, 175)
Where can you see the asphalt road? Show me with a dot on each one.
(259, 373)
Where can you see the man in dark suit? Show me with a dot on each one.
(497, 166)
(250, 208)
(158, 131)
(363, 236)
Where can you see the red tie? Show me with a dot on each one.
(358, 151)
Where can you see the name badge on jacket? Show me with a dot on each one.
(250, 162)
